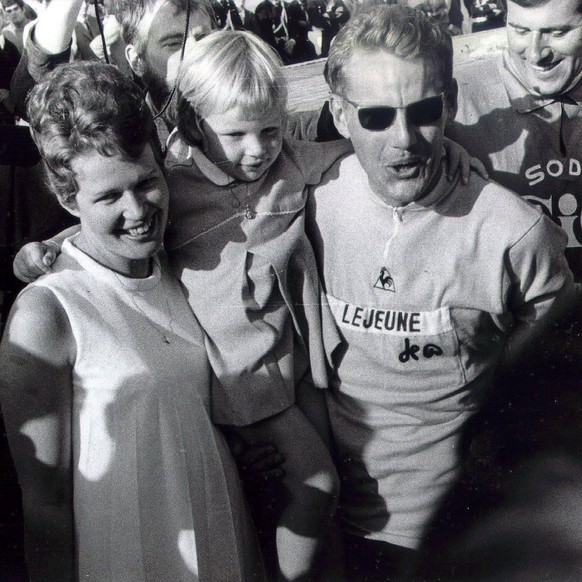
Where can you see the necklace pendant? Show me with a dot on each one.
(250, 213)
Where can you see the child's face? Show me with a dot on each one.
(123, 207)
(241, 146)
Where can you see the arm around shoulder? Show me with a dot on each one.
(36, 357)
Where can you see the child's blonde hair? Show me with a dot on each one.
(228, 69)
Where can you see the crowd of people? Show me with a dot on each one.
(350, 354)
(300, 30)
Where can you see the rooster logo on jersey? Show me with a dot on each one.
(385, 281)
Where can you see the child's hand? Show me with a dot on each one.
(33, 260)
(458, 160)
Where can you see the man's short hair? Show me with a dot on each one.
(228, 69)
(404, 32)
(130, 13)
(7, 3)
(84, 107)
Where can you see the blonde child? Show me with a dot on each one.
(236, 240)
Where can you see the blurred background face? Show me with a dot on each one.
(545, 44)
(14, 13)
(164, 29)
(402, 161)
(436, 9)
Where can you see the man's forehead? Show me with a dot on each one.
(177, 13)
(151, 12)
(380, 69)
(555, 13)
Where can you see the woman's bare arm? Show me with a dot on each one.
(36, 357)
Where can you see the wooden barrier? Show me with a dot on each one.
(308, 90)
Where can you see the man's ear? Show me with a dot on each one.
(135, 61)
(452, 101)
(336, 106)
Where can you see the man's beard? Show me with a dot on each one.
(157, 88)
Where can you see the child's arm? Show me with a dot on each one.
(36, 258)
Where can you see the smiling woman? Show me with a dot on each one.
(123, 207)
(105, 380)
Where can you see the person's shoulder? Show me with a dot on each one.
(37, 318)
(503, 208)
(345, 175)
(314, 156)
(9, 33)
(178, 151)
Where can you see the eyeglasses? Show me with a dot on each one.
(381, 117)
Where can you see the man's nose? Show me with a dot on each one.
(402, 132)
(538, 48)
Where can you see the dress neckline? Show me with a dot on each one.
(111, 277)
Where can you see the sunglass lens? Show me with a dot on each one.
(426, 111)
(376, 118)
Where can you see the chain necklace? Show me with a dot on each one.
(250, 213)
(152, 324)
(133, 293)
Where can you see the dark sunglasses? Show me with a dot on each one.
(381, 117)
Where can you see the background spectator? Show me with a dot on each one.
(485, 14)
(19, 15)
(9, 57)
(272, 23)
(438, 10)
(298, 26)
(232, 15)
(329, 17)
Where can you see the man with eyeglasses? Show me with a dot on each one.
(521, 113)
(433, 283)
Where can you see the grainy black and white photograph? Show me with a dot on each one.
(290, 290)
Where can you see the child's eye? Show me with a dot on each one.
(271, 131)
